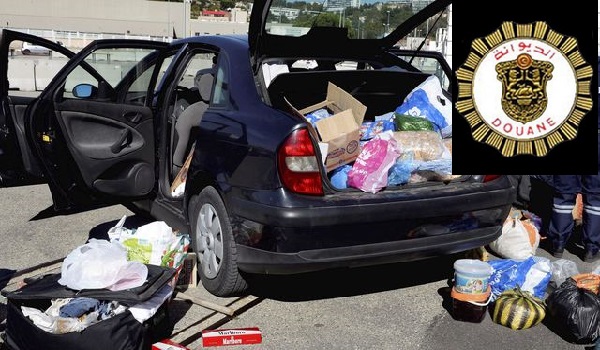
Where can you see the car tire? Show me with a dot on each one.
(212, 240)
(25, 52)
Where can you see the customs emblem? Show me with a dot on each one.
(524, 89)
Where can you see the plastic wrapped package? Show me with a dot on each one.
(411, 123)
(389, 116)
(400, 172)
(370, 170)
(428, 101)
(317, 115)
(368, 130)
(518, 309)
(448, 144)
(425, 145)
(339, 177)
(433, 170)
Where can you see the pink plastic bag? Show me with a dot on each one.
(370, 170)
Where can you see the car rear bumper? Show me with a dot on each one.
(280, 209)
(255, 260)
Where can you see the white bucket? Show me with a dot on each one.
(471, 276)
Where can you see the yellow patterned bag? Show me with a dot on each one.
(517, 309)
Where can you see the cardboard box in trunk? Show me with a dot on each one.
(341, 131)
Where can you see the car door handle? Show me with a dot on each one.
(132, 116)
(122, 142)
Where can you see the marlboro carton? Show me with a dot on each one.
(167, 344)
(237, 336)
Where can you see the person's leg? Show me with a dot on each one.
(591, 217)
(561, 223)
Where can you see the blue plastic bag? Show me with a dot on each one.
(428, 101)
(442, 166)
(339, 177)
(531, 274)
(368, 130)
(400, 172)
(314, 116)
(417, 105)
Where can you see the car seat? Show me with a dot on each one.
(191, 116)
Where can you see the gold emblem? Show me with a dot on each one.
(524, 89)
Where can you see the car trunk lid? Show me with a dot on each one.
(325, 41)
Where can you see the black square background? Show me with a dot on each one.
(476, 19)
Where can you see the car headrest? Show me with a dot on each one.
(204, 82)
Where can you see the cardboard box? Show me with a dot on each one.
(341, 131)
(237, 336)
(167, 344)
(188, 275)
(182, 174)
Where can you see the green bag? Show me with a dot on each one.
(409, 123)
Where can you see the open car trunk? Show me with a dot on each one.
(382, 91)
(424, 155)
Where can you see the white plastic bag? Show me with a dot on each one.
(101, 264)
(148, 243)
(519, 239)
(563, 269)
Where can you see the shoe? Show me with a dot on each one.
(558, 252)
(590, 256)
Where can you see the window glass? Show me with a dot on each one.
(31, 67)
(187, 90)
(115, 74)
(360, 19)
(429, 65)
(221, 88)
(163, 69)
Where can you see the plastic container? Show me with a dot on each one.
(471, 276)
(470, 307)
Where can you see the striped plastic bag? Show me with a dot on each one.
(517, 309)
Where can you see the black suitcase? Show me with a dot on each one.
(122, 331)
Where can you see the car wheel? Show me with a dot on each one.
(25, 52)
(212, 240)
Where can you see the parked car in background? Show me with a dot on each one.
(117, 123)
(31, 49)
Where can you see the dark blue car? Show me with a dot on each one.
(127, 121)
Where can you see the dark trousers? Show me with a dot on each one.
(561, 225)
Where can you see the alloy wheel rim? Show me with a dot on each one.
(209, 240)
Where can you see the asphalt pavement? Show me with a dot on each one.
(396, 306)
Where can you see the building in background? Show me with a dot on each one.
(335, 5)
(116, 18)
(447, 48)
(418, 5)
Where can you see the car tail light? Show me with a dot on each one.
(298, 164)
(488, 178)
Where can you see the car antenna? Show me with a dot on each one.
(426, 36)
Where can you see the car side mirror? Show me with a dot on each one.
(85, 91)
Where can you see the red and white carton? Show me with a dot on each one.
(234, 336)
(167, 344)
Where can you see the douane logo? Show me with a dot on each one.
(524, 89)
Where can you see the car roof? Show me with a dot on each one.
(224, 40)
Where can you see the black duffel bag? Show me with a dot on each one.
(119, 332)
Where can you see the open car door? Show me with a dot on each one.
(24, 73)
(93, 127)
